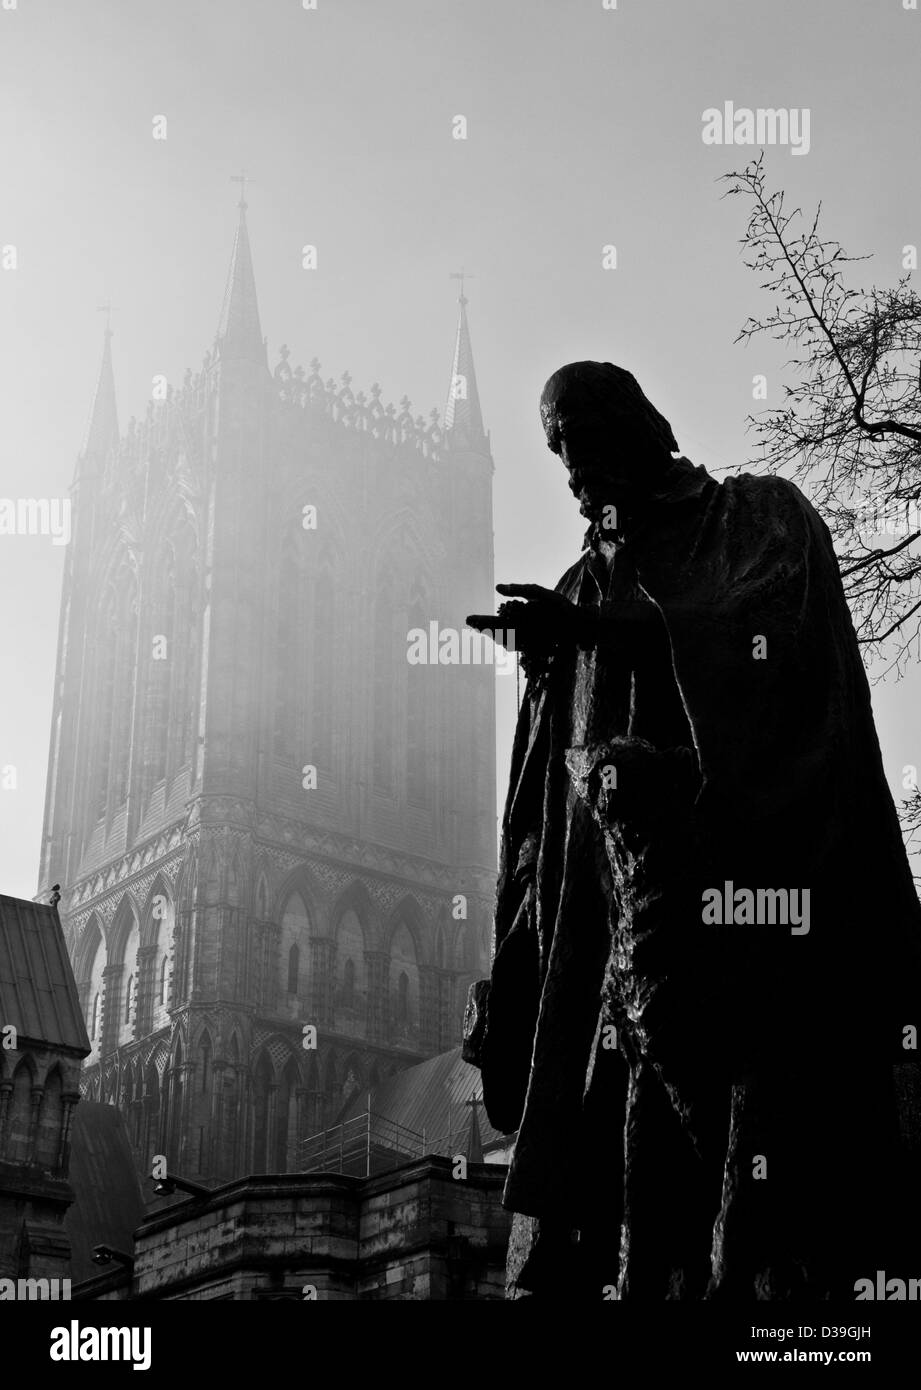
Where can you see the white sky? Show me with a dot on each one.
(584, 128)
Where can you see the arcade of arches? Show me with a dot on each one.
(222, 1091)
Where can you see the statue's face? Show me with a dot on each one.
(602, 472)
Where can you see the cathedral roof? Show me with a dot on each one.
(463, 418)
(239, 331)
(109, 1204)
(431, 1099)
(38, 995)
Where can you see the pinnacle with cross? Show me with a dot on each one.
(473, 1102)
(242, 178)
(462, 276)
(474, 1140)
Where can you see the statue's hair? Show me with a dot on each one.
(600, 393)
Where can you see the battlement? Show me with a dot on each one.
(176, 420)
(308, 391)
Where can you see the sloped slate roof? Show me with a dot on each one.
(38, 994)
(109, 1204)
(429, 1098)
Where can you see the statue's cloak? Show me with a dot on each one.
(791, 1029)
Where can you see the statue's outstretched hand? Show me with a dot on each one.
(542, 622)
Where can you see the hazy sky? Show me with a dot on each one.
(583, 129)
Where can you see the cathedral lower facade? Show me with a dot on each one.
(274, 834)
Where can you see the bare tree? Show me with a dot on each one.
(910, 816)
(850, 426)
(849, 430)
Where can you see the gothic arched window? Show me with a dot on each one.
(289, 639)
(418, 773)
(168, 661)
(129, 934)
(182, 702)
(175, 1102)
(151, 979)
(113, 657)
(294, 965)
(90, 964)
(19, 1115)
(293, 958)
(206, 1063)
(351, 973)
(404, 980)
(385, 670)
(161, 657)
(323, 657)
(50, 1122)
(106, 655)
(151, 1107)
(126, 652)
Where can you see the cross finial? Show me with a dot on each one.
(242, 179)
(107, 310)
(462, 276)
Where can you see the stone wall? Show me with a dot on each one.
(417, 1233)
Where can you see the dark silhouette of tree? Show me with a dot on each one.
(850, 426)
(911, 825)
(849, 430)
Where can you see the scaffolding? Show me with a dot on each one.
(370, 1143)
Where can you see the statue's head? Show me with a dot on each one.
(612, 440)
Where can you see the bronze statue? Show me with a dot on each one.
(707, 962)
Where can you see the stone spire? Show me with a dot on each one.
(239, 334)
(102, 430)
(463, 420)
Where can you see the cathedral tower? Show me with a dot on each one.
(264, 818)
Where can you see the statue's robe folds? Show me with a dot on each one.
(704, 1110)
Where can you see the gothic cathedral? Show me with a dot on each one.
(274, 835)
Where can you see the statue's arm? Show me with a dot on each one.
(548, 621)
